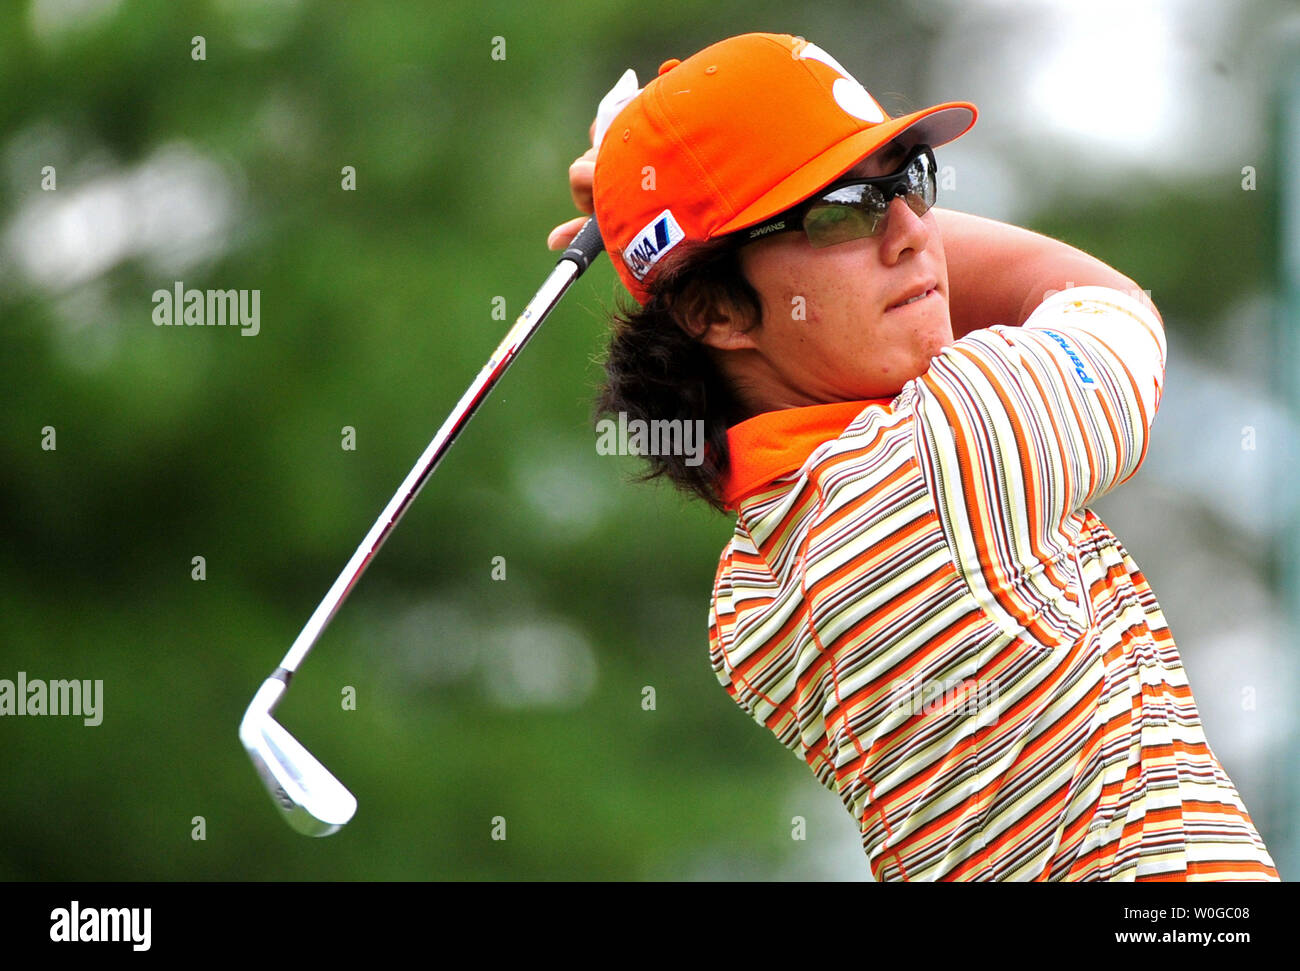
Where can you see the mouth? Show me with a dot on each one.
(918, 294)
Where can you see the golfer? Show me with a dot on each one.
(909, 411)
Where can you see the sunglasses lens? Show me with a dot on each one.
(921, 185)
(850, 212)
(856, 211)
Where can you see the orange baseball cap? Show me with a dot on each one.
(736, 134)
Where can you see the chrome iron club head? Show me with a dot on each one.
(312, 800)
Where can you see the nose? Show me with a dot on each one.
(904, 231)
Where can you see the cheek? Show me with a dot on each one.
(789, 300)
(827, 297)
(795, 305)
(839, 304)
(769, 280)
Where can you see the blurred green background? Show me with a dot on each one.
(1124, 129)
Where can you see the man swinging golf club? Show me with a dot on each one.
(909, 410)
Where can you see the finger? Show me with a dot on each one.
(581, 173)
(562, 235)
(591, 132)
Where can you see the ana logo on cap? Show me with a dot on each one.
(650, 245)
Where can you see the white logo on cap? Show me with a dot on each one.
(650, 245)
(849, 94)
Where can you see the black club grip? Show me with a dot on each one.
(586, 246)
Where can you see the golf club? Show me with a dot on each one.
(312, 800)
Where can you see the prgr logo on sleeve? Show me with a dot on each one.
(1080, 368)
(650, 245)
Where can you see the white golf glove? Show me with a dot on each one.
(619, 95)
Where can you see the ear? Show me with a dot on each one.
(718, 327)
(724, 335)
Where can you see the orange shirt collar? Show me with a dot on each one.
(770, 445)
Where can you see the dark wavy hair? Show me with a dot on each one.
(657, 368)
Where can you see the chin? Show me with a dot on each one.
(939, 335)
(921, 364)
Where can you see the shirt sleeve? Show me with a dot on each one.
(765, 674)
(1018, 429)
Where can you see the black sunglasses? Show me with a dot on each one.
(855, 208)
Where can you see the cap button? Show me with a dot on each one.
(669, 64)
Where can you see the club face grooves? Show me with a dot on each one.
(312, 800)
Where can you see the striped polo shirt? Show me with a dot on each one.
(918, 601)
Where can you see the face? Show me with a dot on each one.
(851, 336)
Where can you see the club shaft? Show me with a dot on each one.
(565, 272)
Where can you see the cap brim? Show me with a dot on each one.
(931, 126)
